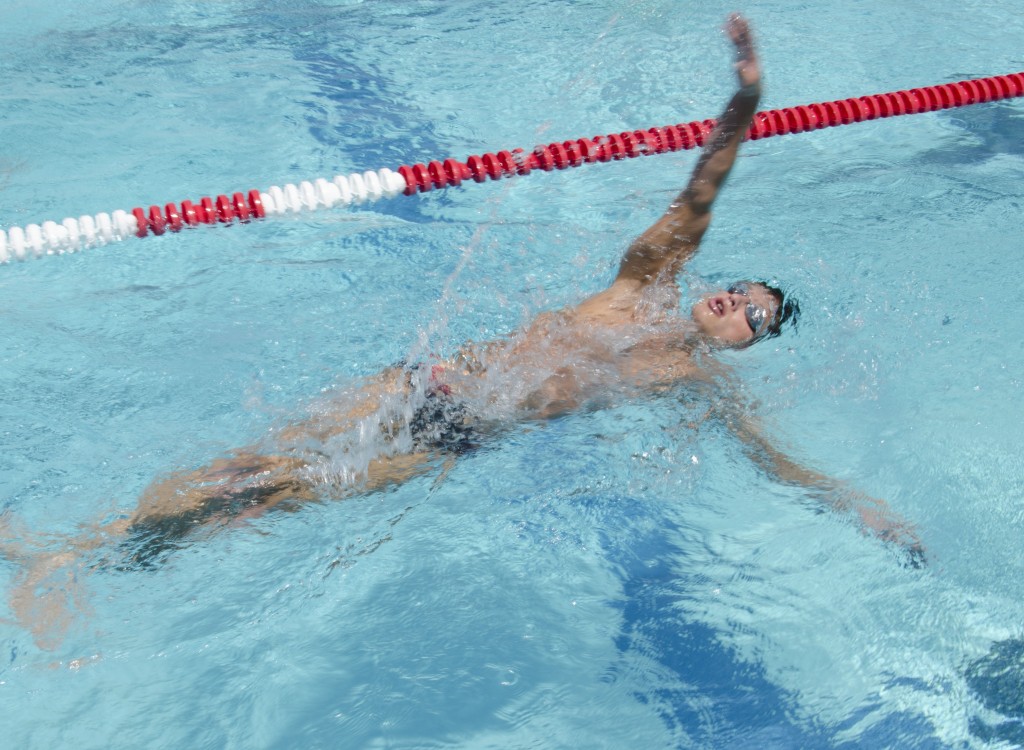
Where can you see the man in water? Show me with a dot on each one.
(625, 340)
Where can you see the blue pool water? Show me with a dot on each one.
(614, 579)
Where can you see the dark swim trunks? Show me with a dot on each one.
(442, 423)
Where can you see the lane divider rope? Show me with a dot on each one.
(70, 235)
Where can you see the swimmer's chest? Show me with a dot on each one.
(659, 362)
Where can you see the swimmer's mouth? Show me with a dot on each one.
(717, 306)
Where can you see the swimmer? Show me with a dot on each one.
(626, 340)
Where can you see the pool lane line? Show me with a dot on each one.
(70, 235)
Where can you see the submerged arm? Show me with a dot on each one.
(872, 514)
(662, 250)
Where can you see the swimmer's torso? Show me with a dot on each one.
(607, 349)
(572, 359)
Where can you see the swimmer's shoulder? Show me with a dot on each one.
(615, 305)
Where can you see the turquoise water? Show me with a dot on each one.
(613, 579)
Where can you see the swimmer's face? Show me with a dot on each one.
(736, 315)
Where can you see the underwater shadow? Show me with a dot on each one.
(986, 132)
(720, 699)
(997, 679)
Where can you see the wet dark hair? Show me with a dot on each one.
(788, 311)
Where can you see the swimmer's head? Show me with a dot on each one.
(745, 313)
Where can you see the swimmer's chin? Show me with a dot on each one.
(700, 337)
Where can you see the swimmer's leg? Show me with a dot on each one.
(228, 492)
(236, 489)
(49, 591)
(244, 486)
(197, 490)
(347, 408)
(389, 471)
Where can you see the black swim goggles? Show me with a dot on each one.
(757, 316)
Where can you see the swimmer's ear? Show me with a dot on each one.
(788, 311)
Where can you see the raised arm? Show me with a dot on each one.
(661, 251)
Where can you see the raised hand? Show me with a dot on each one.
(748, 70)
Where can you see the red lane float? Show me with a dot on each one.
(73, 234)
(799, 119)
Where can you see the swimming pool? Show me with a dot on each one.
(612, 579)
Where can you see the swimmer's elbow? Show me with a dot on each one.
(700, 198)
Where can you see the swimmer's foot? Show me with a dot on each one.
(46, 597)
